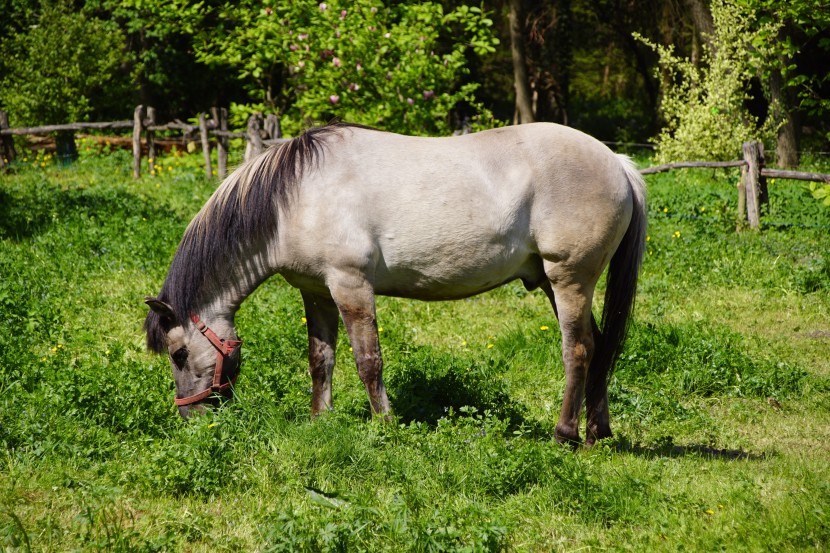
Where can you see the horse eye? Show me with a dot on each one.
(180, 358)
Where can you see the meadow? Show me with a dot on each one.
(720, 403)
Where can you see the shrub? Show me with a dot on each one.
(62, 69)
(704, 106)
(399, 67)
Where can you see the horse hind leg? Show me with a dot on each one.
(322, 319)
(598, 425)
(572, 304)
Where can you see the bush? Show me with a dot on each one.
(399, 67)
(63, 69)
(704, 106)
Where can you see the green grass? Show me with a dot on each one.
(720, 403)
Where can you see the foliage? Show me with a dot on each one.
(63, 70)
(704, 107)
(820, 192)
(797, 38)
(398, 66)
(726, 361)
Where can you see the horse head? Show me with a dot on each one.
(205, 366)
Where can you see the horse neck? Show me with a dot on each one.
(239, 282)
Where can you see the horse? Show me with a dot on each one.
(345, 213)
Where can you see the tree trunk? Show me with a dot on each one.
(524, 100)
(786, 147)
(702, 20)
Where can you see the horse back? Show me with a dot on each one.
(437, 218)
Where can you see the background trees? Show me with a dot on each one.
(422, 67)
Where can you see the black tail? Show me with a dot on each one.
(621, 283)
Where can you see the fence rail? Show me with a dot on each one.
(262, 131)
(752, 188)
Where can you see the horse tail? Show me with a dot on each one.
(621, 281)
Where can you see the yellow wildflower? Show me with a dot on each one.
(544, 327)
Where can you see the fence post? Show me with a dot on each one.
(741, 199)
(220, 116)
(752, 185)
(7, 153)
(138, 119)
(203, 133)
(150, 121)
(254, 146)
(272, 126)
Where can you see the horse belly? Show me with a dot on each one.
(443, 272)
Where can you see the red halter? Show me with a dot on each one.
(223, 349)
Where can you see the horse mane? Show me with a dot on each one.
(243, 210)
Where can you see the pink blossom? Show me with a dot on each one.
(292, 47)
(302, 36)
(336, 62)
(334, 99)
(323, 7)
(410, 101)
(372, 28)
(354, 86)
(428, 94)
(337, 33)
(359, 67)
(374, 10)
(343, 14)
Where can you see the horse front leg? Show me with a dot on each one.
(357, 307)
(322, 318)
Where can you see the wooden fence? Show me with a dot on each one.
(262, 131)
(752, 188)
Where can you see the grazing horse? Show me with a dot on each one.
(345, 213)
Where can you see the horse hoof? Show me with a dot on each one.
(566, 436)
(594, 434)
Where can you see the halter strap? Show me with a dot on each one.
(223, 349)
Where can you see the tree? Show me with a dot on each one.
(521, 84)
(800, 37)
(65, 68)
(705, 107)
(396, 66)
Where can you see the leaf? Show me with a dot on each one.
(326, 500)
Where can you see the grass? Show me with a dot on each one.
(720, 403)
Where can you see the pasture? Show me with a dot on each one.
(720, 403)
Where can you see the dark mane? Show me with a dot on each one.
(243, 210)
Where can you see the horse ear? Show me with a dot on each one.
(162, 309)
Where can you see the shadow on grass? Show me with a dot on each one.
(667, 449)
(435, 385)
